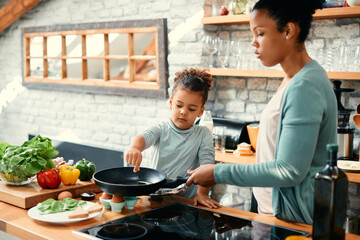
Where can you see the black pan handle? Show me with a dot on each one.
(175, 182)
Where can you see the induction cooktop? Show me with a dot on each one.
(179, 221)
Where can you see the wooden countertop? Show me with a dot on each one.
(223, 157)
(15, 221)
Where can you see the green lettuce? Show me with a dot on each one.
(55, 206)
(32, 156)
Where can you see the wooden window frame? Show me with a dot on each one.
(105, 85)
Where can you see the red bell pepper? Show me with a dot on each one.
(49, 178)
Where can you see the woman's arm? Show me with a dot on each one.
(302, 112)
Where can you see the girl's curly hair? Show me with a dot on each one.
(195, 80)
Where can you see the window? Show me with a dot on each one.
(124, 58)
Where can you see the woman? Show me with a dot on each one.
(297, 123)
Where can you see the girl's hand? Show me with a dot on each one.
(134, 157)
(203, 176)
(206, 201)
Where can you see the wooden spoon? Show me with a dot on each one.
(356, 119)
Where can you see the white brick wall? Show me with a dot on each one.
(53, 112)
(89, 115)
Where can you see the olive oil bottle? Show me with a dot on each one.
(330, 199)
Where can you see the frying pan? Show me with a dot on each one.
(123, 181)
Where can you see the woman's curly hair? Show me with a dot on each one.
(194, 80)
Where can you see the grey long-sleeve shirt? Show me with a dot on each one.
(175, 150)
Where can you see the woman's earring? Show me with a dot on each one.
(287, 37)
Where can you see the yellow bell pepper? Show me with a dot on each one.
(69, 174)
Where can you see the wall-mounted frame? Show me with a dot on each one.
(120, 58)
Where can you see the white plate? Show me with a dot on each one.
(61, 217)
(351, 166)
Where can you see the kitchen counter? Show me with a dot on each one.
(16, 222)
(223, 157)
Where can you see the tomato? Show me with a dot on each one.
(49, 178)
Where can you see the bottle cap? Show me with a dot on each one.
(332, 147)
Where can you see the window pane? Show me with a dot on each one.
(73, 46)
(36, 47)
(54, 68)
(145, 70)
(36, 67)
(95, 45)
(119, 69)
(118, 44)
(54, 46)
(144, 43)
(95, 68)
(73, 68)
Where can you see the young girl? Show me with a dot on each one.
(178, 143)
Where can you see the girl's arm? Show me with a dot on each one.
(133, 155)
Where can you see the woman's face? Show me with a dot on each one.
(270, 44)
(185, 106)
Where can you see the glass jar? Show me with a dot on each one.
(206, 120)
(239, 6)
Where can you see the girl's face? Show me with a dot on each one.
(270, 44)
(185, 107)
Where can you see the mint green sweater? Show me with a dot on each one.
(307, 123)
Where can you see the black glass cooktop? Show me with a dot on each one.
(179, 221)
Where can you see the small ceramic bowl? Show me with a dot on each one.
(130, 202)
(105, 203)
(87, 196)
(117, 207)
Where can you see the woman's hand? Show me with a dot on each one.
(203, 176)
(203, 199)
(134, 157)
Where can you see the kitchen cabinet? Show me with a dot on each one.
(233, 159)
(327, 13)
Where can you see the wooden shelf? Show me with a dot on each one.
(326, 13)
(276, 73)
(246, 73)
(233, 159)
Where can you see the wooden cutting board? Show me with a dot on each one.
(29, 195)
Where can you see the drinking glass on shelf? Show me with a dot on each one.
(210, 49)
(331, 62)
(233, 53)
(319, 56)
(241, 54)
(356, 64)
(224, 52)
(216, 5)
(351, 58)
(344, 57)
